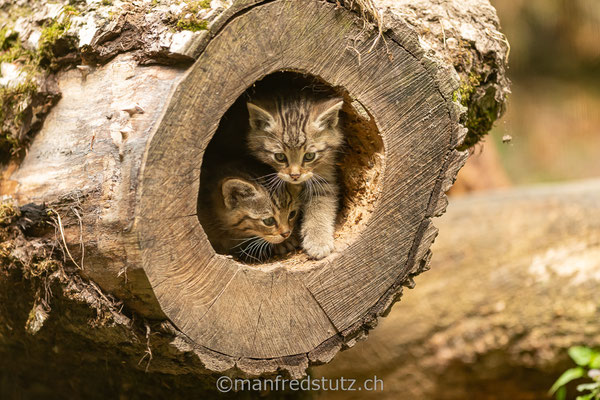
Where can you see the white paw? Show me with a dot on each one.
(318, 248)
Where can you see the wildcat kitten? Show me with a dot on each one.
(299, 137)
(241, 217)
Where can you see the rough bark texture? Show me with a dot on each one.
(463, 37)
(513, 284)
(117, 164)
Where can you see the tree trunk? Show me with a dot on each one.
(513, 284)
(118, 160)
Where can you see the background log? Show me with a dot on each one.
(513, 283)
(91, 165)
(463, 333)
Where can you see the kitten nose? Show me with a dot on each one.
(295, 176)
(286, 234)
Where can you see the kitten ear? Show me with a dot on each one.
(259, 117)
(329, 118)
(237, 192)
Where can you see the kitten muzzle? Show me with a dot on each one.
(294, 179)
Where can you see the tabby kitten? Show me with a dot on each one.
(299, 137)
(241, 217)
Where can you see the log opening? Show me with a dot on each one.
(360, 163)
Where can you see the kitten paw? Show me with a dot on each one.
(318, 249)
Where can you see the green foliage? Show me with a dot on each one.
(11, 49)
(53, 32)
(581, 355)
(466, 89)
(197, 5)
(8, 213)
(14, 100)
(566, 377)
(482, 108)
(192, 22)
(588, 361)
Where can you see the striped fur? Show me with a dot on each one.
(235, 203)
(284, 132)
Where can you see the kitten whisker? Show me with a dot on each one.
(247, 256)
(245, 241)
(265, 176)
(266, 179)
(265, 246)
(310, 190)
(261, 250)
(323, 184)
(280, 186)
(250, 250)
(275, 185)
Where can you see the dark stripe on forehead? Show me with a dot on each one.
(279, 109)
(305, 122)
(289, 197)
(294, 119)
(244, 218)
(275, 200)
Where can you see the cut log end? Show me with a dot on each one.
(400, 133)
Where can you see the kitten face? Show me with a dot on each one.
(252, 211)
(295, 136)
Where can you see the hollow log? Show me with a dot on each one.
(117, 163)
(513, 284)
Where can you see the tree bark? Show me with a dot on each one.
(513, 284)
(118, 160)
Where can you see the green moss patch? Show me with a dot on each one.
(191, 22)
(8, 213)
(482, 108)
(16, 101)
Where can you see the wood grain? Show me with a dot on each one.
(275, 312)
(513, 284)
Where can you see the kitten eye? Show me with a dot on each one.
(292, 214)
(280, 157)
(309, 156)
(269, 221)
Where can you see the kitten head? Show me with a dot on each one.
(295, 136)
(250, 210)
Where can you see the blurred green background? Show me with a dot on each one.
(553, 113)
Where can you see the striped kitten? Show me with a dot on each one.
(241, 217)
(299, 137)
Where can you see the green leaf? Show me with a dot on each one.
(585, 397)
(595, 360)
(561, 394)
(588, 386)
(581, 355)
(567, 377)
